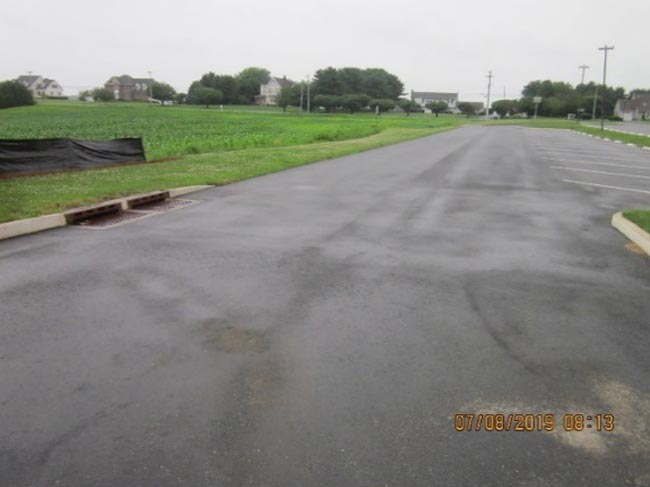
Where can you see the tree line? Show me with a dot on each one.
(560, 98)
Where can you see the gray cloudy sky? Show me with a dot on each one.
(431, 45)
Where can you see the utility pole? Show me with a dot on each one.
(302, 90)
(308, 97)
(150, 87)
(605, 48)
(584, 67)
(487, 110)
(593, 111)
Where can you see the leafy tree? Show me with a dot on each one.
(504, 107)
(326, 82)
(378, 83)
(408, 106)
(162, 91)
(354, 103)
(467, 108)
(85, 95)
(350, 80)
(102, 94)
(14, 94)
(209, 96)
(329, 102)
(180, 98)
(228, 85)
(437, 107)
(250, 80)
(289, 96)
(383, 104)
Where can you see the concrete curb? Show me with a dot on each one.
(38, 224)
(632, 231)
(31, 225)
(614, 140)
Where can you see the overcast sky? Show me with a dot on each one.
(431, 45)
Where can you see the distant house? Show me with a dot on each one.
(422, 98)
(41, 87)
(129, 89)
(636, 107)
(270, 91)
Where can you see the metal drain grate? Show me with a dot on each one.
(144, 211)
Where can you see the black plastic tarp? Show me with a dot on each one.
(22, 157)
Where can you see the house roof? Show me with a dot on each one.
(47, 82)
(127, 80)
(433, 94)
(28, 80)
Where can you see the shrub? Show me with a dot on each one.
(14, 94)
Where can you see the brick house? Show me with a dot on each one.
(127, 88)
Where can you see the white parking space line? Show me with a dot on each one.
(636, 176)
(643, 168)
(606, 186)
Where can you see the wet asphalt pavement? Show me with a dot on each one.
(322, 326)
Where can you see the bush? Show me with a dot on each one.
(102, 94)
(615, 119)
(57, 97)
(14, 94)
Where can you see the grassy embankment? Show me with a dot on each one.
(212, 147)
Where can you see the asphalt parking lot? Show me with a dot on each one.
(591, 162)
(638, 127)
(323, 326)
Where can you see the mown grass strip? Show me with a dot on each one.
(640, 140)
(39, 195)
(639, 217)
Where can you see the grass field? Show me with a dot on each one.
(177, 131)
(640, 217)
(214, 147)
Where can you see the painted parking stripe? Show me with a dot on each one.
(643, 168)
(606, 186)
(636, 176)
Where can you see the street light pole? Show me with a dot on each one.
(605, 48)
(308, 96)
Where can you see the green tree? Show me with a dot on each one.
(505, 107)
(85, 95)
(329, 102)
(408, 106)
(250, 80)
(102, 94)
(162, 91)
(354, 103)
(467, 108)
(180, 98)
(289, 96)
(14, 94)
(437, 107)
(378, 83)
(383, 104)
(228, 85)
(326, 82)
(208, 96)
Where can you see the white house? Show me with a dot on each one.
(637, 107)
(41, 87)
(422, 98)
(270, 90)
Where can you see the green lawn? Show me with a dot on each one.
(176, 131)
(640, 217)
(38, 195)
